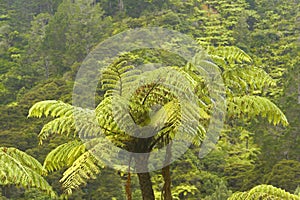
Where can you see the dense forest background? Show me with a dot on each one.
(42, 44)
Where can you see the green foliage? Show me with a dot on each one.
(190, 180)
(297, 191)
(181, 191)
(107, 185)
(63, 155)
(81, 164)
(83, 168)
(227, 55)
(71, 34)
(121, 79)
(221, 193)
(143, 100)
(65, 122)
(17, 167)
(42, 40)
(282, 173)
(253, 106)
(34, 193)
(234, 158)
(264, 192)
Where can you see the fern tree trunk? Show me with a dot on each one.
(141, 165)
(144, 178)
(166, 191)
(167, 185)
(146, 186)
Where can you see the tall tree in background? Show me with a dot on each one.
(74, 29)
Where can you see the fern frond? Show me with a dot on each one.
(83, 126)
(76, 122)
(56, 109)
(117, 77)
(64, 155)
(253, 106)
(238, 75)
(178, 121)
(17, 167)
(63, 125)
(84, 168)
(228, 55)
(70, 120)
(264, 192)
(247, 79)
(50, 107)
(83, 161)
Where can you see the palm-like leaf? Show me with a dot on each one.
(85, 167)
(64, 155)
(69, 120)
(247, 79)
(17, 167)
(253, 106)
(238, 73)
(83, 161)
(224, 55)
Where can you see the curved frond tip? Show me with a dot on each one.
(253, 106)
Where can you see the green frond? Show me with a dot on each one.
(252, 106)
(247, 79)
(63, 125)
(56, 109)
(175, 121)
(17, 167)
(23, 158)
(238, 75)
(118, 77)
(85, 167)
(267, 192)
(105, 116)
(64, 155)
(201, 78)
(50, 107)
(83, 161)
(70, 120)
(76, 122)
(82, 125)
(228, 55)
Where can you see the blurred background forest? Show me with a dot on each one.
(43, 42)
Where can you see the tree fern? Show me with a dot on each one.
(267, 192)
(174, 102)
(17, 167)
(138, 91)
